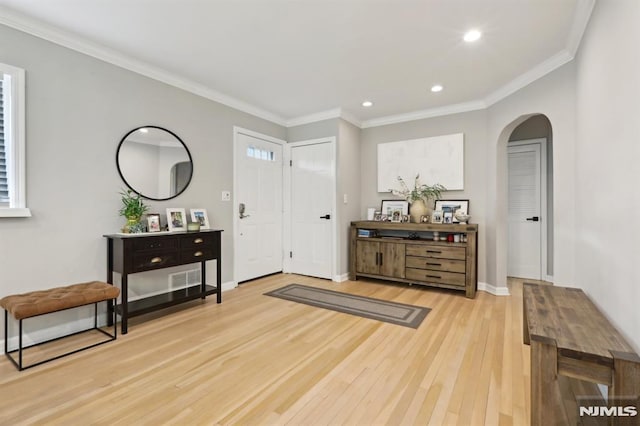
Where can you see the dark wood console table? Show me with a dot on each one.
(131, 253)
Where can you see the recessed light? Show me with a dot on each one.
(367, 104)
(472, 35)
(144, 130)
(437, 88)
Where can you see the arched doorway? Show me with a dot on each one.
(527, 146)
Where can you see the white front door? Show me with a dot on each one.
(525, 211)
(312, 215)
(257, 205)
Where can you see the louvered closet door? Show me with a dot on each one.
(524, 254)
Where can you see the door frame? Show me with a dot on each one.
(542, 142)
(237, 131)
(287, 237)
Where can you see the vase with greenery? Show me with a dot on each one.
(132, 209)
(419, 196)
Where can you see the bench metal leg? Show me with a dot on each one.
(19, 363)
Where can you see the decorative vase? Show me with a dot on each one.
(418, 209)
(132, 225)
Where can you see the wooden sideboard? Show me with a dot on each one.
(407, 252)
(132, 253)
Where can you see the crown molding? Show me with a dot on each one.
(581, 18)
(49, 33)
(315, 117)
(427, 113)
(529, 77)
(65, 39)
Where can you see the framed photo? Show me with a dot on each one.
(200, 216)
(447, 217)
(453, 206)
(396, 215)
(380, 218)
(176, 219)
(424, 219)
(436, 216)
(389, 207)
(153, 222)
(405, 218)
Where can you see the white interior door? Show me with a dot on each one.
(525, 196)
(312, 215)
(257, 206)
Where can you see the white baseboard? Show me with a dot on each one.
(549, 278)
(341, 278)
(496, 291)
(229, 285)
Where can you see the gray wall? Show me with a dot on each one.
(474, 127)
(349, 185)
(78, 109)
(607, 173)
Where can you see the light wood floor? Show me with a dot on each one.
(255, 359)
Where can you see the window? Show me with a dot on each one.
(12, 143)
(260, 154)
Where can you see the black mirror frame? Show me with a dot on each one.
(136, 191)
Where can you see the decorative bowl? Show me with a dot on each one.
(463, 218)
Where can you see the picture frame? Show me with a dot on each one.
(390, 206)
(153, 222)
(447, 217)
(424, 219)
(436, 216)
(200, 216)
(396, 215)
(177, 219)
(453, 206)
(405, 218)
(380, 218)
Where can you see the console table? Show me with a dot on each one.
(408, 253)
(132, 253)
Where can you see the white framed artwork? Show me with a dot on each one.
(438, 159)
(177, 219)
(200, 216)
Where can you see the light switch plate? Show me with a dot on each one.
(226, 195)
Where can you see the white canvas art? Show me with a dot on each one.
(438, 159)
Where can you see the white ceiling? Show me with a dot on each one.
(294, 61)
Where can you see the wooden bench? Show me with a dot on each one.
(36, 303)
(571, 338)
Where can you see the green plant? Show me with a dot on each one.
(132, 205)
(419, 192)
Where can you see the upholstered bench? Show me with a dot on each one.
(36, 303)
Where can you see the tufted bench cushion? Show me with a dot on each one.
(56, 299)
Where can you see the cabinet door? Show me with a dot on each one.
(392, 260)
(367, 257)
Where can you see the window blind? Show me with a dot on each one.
(4, 184)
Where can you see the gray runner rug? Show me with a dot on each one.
(381, 310)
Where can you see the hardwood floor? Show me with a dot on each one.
(260, 360)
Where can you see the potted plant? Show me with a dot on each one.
(132, 209)
(419, 196)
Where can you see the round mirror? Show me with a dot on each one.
(154, 162)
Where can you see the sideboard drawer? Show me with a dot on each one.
(197, 254)
(441, 252)
(440, 277)
(197, 241)
(154, 260)
(155, 243)
(436, 264)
